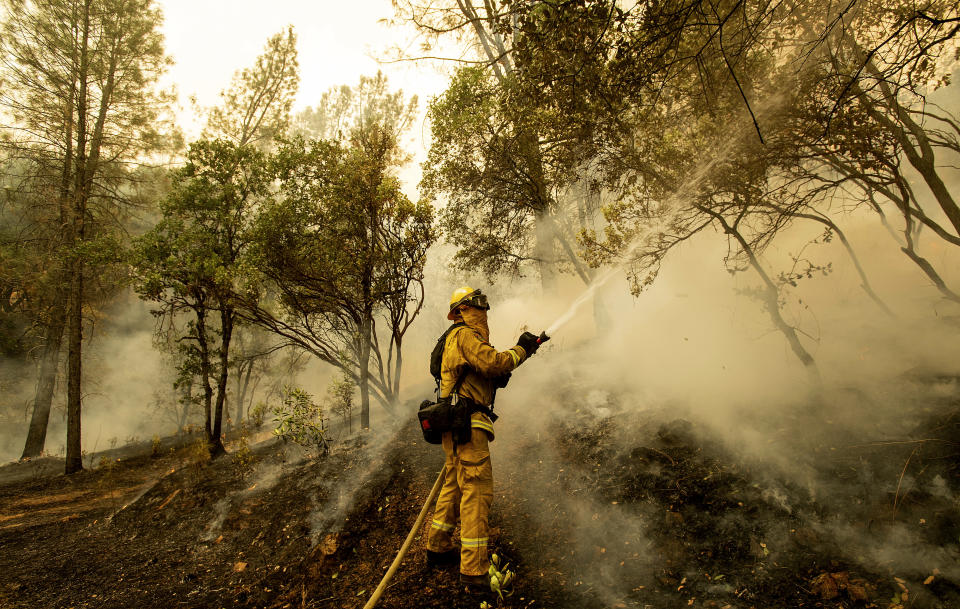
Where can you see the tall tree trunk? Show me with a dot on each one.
(201, 312)
(46, 383)
(543, 251)
(74, 462)
(365, 329)
(397, 369)
(226, 331)
(539, 201)
(47, 380)
(242, 397)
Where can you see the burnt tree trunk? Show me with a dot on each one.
(74, 461)
(204, 346)
(46, 384)
(226, 331)
(242, 394)
(365, 331)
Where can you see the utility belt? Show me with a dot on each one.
(451, 413)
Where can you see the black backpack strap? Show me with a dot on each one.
(460, 379)
(441, 345)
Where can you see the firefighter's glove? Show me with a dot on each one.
(529, 342)
(499, 382)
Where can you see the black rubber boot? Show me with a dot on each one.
(437, 560)
(476, 585)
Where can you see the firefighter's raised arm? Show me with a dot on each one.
(482, 357)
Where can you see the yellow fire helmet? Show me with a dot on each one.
(466, 296)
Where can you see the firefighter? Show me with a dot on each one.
(468, 475)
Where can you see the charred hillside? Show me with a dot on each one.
(596, 507)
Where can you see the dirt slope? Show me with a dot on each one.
(620, 510)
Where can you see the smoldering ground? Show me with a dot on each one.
(862, 468)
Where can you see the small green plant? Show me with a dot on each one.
(340, 395)
(257, 415)
(107, 464)
(299, 419)
(108, 468)
(242, 456)
(198, 453)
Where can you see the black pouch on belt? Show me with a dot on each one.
(435, 418)
(450, 413)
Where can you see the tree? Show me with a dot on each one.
(689, 109)
(345, 110)
(341, 245)
(194, 261)
(862, 121)
(29, 247)
(507, 164)
(500, 183)
(253, 357)
(665, 99)
(80, 90)
(255, 109)
(340, 398)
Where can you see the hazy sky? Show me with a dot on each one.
(210, 39)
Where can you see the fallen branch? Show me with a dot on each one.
(168, 499)
(896, 496)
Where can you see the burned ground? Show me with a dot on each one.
(609, 509)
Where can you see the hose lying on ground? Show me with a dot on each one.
(406, 544)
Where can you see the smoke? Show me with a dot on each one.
(128, 383)
(264, 476)
(17, 391)
(359, 479)
(698, 347)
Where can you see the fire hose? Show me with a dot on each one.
(406, 544)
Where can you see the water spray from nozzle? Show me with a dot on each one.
(586, 295)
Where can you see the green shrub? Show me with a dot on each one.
(299, 419)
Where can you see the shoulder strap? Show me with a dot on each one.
(439, 349)
(436, 356)
(466, 367)
(461, 378)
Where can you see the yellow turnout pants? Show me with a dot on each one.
(467, 492)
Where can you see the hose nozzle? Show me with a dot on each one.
(542, 338)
